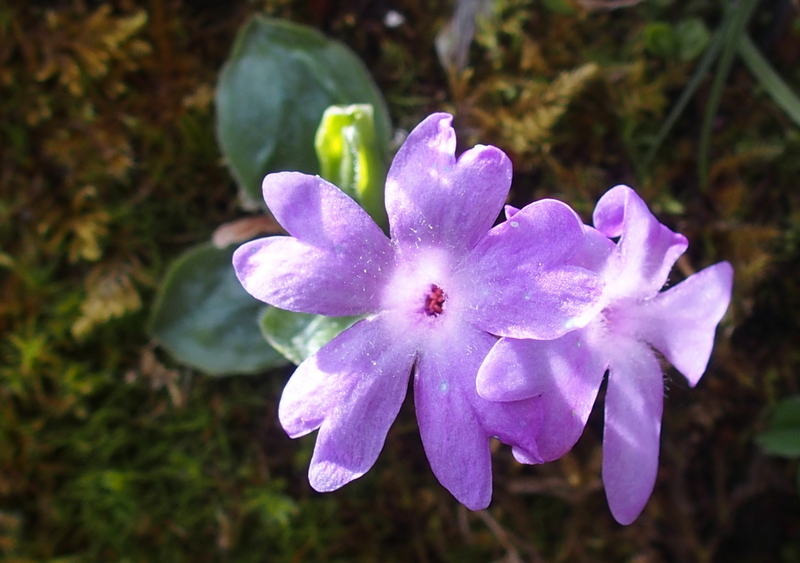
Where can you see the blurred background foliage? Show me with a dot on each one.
(109, 168)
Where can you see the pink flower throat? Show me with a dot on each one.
(434, 301)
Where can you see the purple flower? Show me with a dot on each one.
(435, 296)
(636, 315)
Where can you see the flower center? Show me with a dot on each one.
(434, 301)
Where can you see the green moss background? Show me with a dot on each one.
(112, 452)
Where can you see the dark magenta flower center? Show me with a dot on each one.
(434, 301)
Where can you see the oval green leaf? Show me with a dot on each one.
(692, 37)
(782, 437)
(299, 335)
(205, 319)
(660, 40)
(786, 413)
(782, 442)
(277, 82)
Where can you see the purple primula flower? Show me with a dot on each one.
(636, 315)
(435, 296)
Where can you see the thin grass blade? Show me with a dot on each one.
(778, 90)
(710, 55)
(736, 21)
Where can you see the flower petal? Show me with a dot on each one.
(335, 263)
(524, 457)
(352, 390)
(646, 251)
(565, 374)
(456, 424)
(434, 200)
(680, 322)
(517, 282)
(320, 214)
(634, 403)
(296, 276)
(510, 211)
(512, 370)
(455, 442)
(595, 251)
(568, 398)
(516, 423)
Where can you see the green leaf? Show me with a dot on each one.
(299, 335)
(206, 320)
(277, 82)
(350, 157)
(781, 94)
(786, 413)
(783, 442)
(660, 40)
(692, 38)
(782, 437)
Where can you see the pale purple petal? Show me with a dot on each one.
(634, 403)
(352, 390)
(568, 398)
(335, 263)
(510, 211)
(595, 251)
(565, 374)
(524, 457)
(512, 370)
(320, 214)
(434, 200)
(521, 286)
(456, 424)
(455, 442)
(647, 250)
(680, 322)
(516, 423)
(296, 276)
(609, 211)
